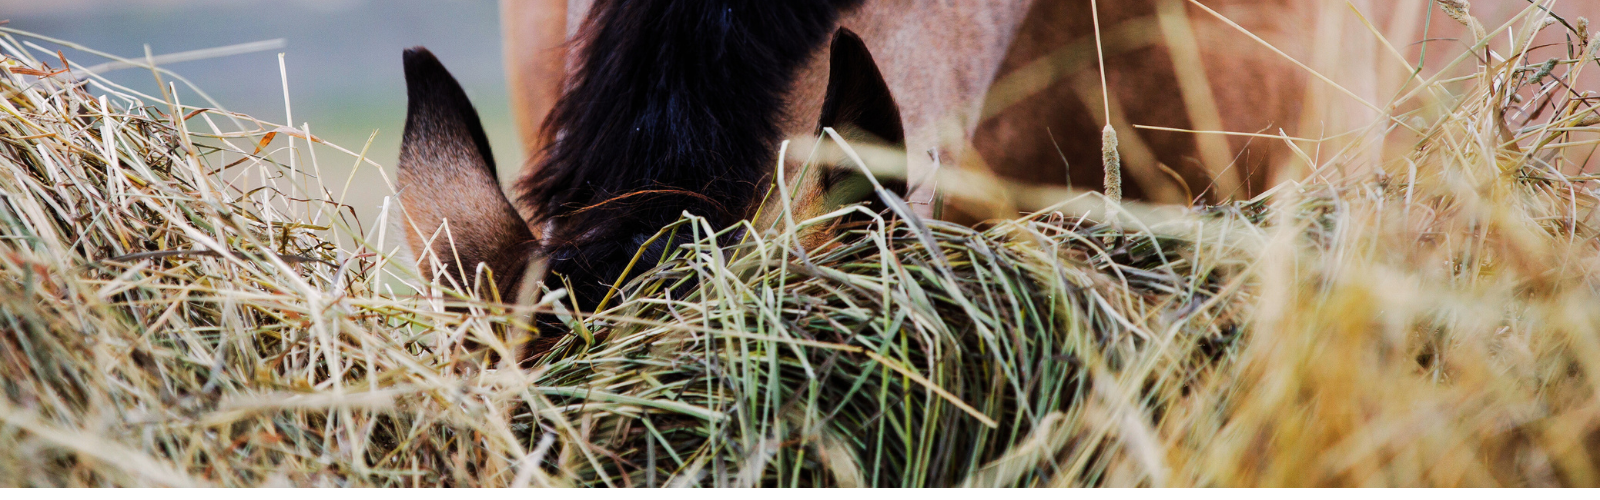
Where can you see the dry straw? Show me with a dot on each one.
(180, 307)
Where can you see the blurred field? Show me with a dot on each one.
(1415, 306)
(342, 56)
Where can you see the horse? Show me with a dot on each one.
(647, 109)
(941, 62)
(634, 112)
(676, 110)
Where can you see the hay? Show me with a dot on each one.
(186, 304)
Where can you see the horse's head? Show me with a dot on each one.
(459, 223)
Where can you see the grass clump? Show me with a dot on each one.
(185, 303)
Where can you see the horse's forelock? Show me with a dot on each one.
(673, 106)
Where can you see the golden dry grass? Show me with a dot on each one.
(184, 304)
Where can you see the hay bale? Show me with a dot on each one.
(183, 305)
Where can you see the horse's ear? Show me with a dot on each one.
(860, 107)
(447, 176)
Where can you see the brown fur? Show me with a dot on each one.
(447, 180)
(535, 57)
(860, 107)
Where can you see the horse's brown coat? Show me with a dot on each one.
(454, 214)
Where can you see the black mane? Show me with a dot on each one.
(674, 108)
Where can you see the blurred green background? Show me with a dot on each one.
(342, 57)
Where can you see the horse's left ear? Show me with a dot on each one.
(447, 175)
(860, 107)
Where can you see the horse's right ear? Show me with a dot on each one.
(447, 176)
(861, 108)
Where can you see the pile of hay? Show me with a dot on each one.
(184, 303)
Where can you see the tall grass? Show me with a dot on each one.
(185, 303)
